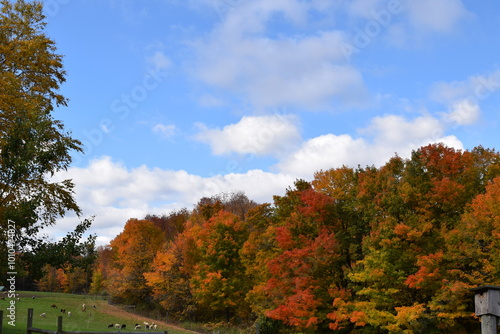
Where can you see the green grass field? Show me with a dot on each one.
(94, 319)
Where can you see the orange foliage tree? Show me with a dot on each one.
(133, 252)
(218, 283)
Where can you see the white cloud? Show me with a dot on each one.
(263, 50)
(208, 100)
(159, 61)
(447, 92)
(324, 152)
(303, 71)
(165, 130)
(271, 135)
(363, 8)
(476, 87)
(396, 130)
(306, 69)
(463, 98)
(464, 112)
(440, 16)
(384, 137)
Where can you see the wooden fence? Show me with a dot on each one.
(30, 329)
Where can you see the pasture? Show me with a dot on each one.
(98, 314)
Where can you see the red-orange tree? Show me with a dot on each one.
(302, 265)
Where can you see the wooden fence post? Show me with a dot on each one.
(59, 324)
(487, 305)
(1, 321)
(29, 323)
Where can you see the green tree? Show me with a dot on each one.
(70, 250)
(33, 145)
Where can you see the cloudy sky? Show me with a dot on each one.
(179, 99)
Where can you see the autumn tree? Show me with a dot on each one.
(175, 263)
(302, 260)
(235, 202)
(218, 283)
(51, 281)
(170, 276)
(257, 251)
(133, 252)
(171, 224)
(102, 266)
(33, 144)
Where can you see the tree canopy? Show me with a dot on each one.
(33, 145)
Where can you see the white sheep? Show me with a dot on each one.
(69, 314)
(137, 326)
(117, 326)
(43, 315)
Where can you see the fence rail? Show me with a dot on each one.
(30, 329)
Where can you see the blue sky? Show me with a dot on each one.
(175, 100)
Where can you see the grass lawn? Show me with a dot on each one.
(94, 319)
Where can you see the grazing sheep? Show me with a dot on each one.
(146, 323)
(137, 326)
(69, 313)
(63, 310)
(43, 315)
(123, 326)
(110, 325)
(155, 326)
(84, 308)
(53, 306)
(117, 326)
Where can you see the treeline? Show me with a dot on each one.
(394, 249)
